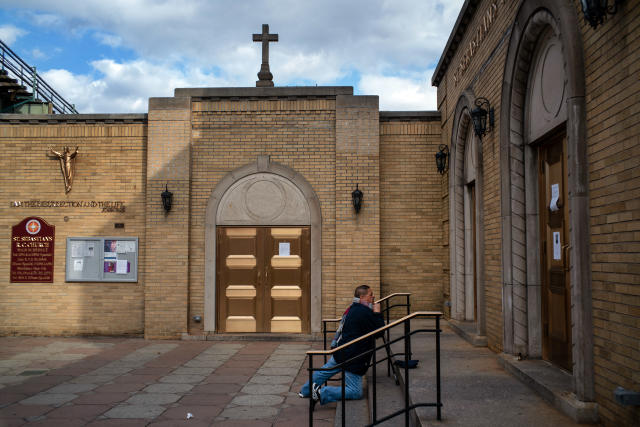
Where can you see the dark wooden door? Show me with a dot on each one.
(555, 252)
(263, 279)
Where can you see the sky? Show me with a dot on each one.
(112, 56)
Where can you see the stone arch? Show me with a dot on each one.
(460, 216)
(303, 208)
(520, 241)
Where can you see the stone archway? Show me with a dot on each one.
(535, 23)
(298, 205)
(466, 219)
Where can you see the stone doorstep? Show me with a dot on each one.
(467, 331)
(553, 385)
(250, 337)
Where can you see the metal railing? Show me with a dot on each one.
(406, 338)
(18, 69)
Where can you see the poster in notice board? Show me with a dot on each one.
(102, 259)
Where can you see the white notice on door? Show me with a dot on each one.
(78, 264)
(556, 245)
(555, 195)
(284, 249)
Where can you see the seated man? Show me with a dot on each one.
(362, 317)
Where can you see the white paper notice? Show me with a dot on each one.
(121, 247)
(90, 249)
(121, 266)
(77, 249)
(78, 264)
(555, 195)
(556, 245)
(284, 249)
(110, 255)
(130, 246)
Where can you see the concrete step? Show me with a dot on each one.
(357, 413)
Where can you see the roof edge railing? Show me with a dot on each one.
(17, 68)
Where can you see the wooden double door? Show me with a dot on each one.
(555, 252)
(263, 279)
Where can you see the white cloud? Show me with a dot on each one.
(124, 87)
(399, 93)
(9, 33)
(392, 45)
(109, 39)
(38, 54)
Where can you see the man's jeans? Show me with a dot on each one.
(352, 384)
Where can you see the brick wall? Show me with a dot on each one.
(612, 66)
(167, 260)
(611, 60)
(228, 134)
(412, 254)
(109, 167)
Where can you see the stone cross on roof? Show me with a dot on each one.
(265, 76)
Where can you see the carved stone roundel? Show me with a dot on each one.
(552, 84)
(264, 199)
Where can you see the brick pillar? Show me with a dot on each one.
(167, 254)
(357, 162)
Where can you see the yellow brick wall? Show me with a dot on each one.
(109, 167)
(412, 255)
(612, 70)
(228, 134)
(167, 260)
(357, 242)
(612, 65)
(489, 57)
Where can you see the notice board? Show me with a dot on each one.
(102, 259)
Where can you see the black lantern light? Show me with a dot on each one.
(442, 157)
(167, 198)
(595, 11)
(357, 197)
(479, 117)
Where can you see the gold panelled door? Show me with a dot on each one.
(554, 238)
(263, 279)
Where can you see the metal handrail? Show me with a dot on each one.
(17, 68)
(406, 337)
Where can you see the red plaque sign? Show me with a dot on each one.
(32, 245)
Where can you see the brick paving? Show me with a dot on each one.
(132, 382)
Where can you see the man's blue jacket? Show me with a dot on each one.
(360, 320)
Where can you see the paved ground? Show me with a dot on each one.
(132, 382)
(476, 390)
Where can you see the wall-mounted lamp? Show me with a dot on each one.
(356, 197)
(442, 159)
(197, 319)
(167, 198)
(479, 117)
(595, 11)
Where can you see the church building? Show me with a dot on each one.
(259, 209)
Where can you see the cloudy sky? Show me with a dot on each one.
(111, 56)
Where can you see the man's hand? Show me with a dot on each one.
(376, 308)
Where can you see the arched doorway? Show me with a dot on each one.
(262, 252)
(545, 238)
(467, 225)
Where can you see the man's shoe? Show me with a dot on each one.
(315, 395)
(300, 394)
